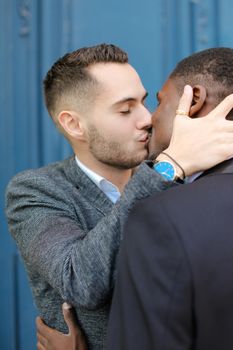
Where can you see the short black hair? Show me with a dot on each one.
(212, 68)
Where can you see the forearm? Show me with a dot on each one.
(98, 250)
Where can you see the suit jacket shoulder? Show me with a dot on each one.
(174, 271)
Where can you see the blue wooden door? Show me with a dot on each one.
(33, 33)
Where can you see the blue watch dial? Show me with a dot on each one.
(165, 169)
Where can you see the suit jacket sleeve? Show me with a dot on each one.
(152, 302)
(79, 265)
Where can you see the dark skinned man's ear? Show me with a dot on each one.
(199, 97)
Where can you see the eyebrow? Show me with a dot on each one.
(128, 99)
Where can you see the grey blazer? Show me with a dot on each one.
(68, 233)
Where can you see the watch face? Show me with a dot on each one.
(165, 169)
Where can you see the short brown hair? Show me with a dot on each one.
(69, 76)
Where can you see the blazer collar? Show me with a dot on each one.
(89, 190)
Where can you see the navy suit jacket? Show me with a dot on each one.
(174, 287)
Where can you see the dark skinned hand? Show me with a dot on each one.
(51, 339)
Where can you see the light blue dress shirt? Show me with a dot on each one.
(111, 191)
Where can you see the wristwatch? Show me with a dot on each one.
(167, 170)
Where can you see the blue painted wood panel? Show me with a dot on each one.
(33, 34)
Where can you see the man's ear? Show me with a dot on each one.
(71, 122)
(199, 97)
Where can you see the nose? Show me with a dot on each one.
(144, 120)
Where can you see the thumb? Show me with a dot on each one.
(186, 99)
(70, 318)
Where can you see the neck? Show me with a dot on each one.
(117, 176)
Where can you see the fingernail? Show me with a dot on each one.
(187, 88)
(67, 306)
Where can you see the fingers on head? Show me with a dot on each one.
(186, 99)
(224, 107)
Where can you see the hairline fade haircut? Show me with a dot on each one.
(212, 68)
(69, 80)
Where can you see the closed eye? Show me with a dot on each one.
(125, 112)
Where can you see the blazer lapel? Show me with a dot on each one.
(81, 181)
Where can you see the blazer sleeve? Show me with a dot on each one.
(152, 301)
(79, 265)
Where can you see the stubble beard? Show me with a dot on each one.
(112, 153)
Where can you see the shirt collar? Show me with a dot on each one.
(111, 191)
